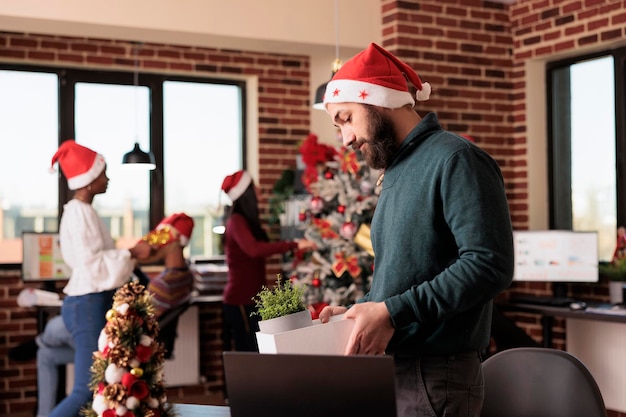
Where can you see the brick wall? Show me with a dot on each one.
(284, 120)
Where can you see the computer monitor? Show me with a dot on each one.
(556, 256)
(42, 260)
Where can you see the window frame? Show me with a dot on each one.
(68, 77)
(559, 150)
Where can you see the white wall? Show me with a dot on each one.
(305, 27)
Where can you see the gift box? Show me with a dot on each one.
(319, 339)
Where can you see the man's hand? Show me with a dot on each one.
(372, 329)
(330, 311)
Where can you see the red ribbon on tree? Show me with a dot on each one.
(325, 228)
(345, 263)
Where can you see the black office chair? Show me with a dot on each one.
(539, 382)
(168, 325)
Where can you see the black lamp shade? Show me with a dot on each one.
(139, 158)
(319, 97)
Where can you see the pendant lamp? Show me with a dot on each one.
(319, 93)
(138, 159)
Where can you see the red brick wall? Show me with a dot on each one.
(284, 120)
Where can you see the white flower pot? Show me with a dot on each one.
(616, 291)
(286, 323)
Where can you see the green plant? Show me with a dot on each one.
(282, 299)
(614, 271)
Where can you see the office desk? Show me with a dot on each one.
(548, 313)
(597, 340)
(194, 410)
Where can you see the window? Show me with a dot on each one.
(194, 127)
(585, 150)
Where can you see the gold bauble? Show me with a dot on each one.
(138, 372)
(111, 314)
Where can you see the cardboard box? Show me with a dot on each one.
(321, 339)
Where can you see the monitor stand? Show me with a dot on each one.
(50, 285)
(559, 290)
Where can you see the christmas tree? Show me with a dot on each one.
(341, 197)
(127, 373)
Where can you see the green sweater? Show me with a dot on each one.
(443, 241)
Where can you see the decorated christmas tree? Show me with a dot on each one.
(127, 372)
(336, 213)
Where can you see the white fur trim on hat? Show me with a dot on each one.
(86, 178)
(350, 91)
(242, 185)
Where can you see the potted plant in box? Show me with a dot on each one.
(282, 308)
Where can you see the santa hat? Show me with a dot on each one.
(375, 77)
(234, 185)
(176, 226)
(79, 164)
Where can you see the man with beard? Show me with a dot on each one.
(441, 234)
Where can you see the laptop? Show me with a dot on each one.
(288, 385)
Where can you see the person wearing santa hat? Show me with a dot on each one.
(173, 286)
(246, 246)
(441, 234)
(98, 268)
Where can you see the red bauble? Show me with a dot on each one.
(328, 175)
(317, 204)
(316, 282)
(341, 209)
(348, 230)
(302, 215)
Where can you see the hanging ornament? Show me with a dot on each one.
(316, 282)
(366, 187)
(328, 175)
(111, 314)
(348, 230)
(341, 209)
(317, 204)
(138, 372)
(302, 215)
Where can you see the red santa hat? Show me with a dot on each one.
(79, 164)
(177, 226)
(374, 76)
(234, 185)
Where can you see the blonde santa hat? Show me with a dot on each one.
(374, 76)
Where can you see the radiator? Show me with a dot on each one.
(184, 367)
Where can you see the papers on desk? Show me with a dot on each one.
(30, 297)
(607, 309)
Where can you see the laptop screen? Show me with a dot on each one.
(282, 385)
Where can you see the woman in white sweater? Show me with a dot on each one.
(98, 268)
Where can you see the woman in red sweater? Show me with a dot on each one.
(246, 245)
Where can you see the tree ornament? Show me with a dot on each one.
(328, 175)
(138, 372)
(348, 230)
(366, 187)
(111, 314)
(302, 215)
(317, 204)
(341, 208)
